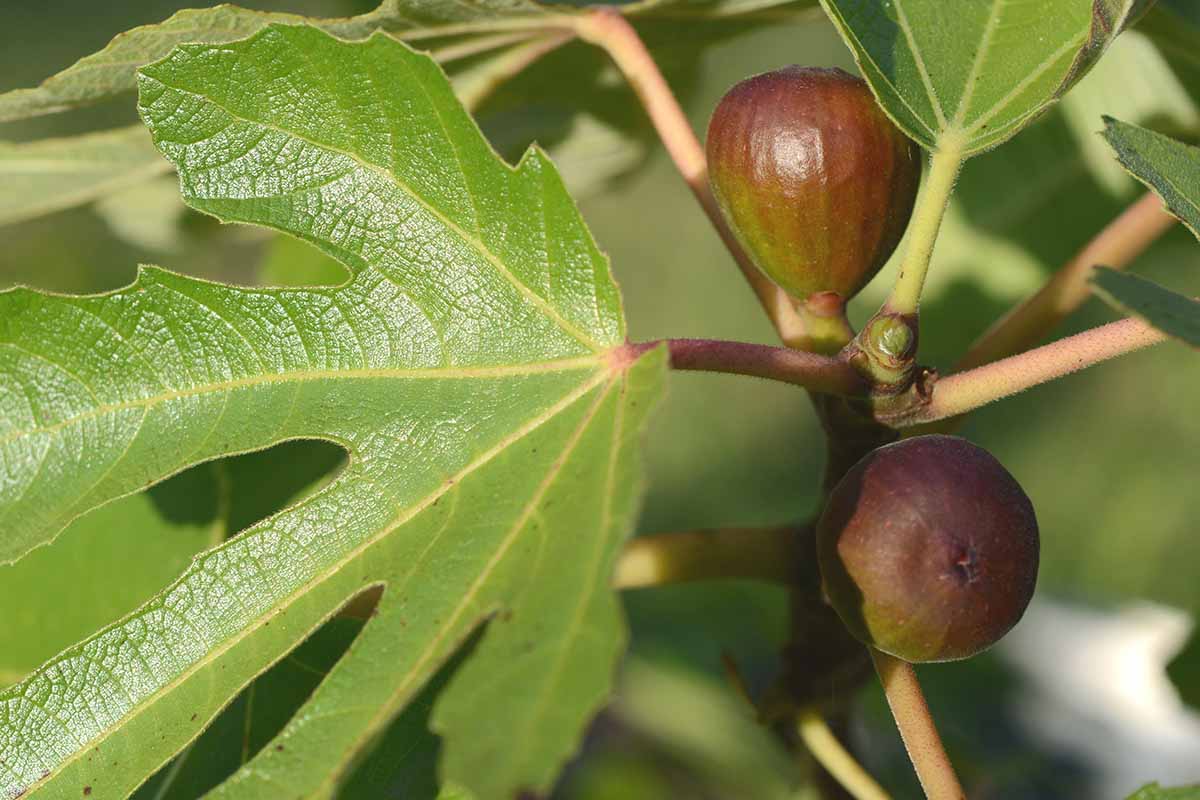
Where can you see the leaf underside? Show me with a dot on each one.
(1169, 168)
(471, 366)
(1170, 312)
(974, 72)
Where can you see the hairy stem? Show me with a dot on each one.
(1119, 243)
(764, 554)
(932, 202)
(830, 754)
(606, 28)
(963, 391)
(814, 372)
(917, 728)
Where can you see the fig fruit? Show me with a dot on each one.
(814, 180)
(928, 549)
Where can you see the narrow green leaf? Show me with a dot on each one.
(1155, 792)
(974, 72)
(52, 174)
(1170, 312)
(1170, 168)
(473, 367)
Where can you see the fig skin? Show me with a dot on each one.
(813, 178)
(928, 549)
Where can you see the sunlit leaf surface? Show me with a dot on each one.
(472, 366)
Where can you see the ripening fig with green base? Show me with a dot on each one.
(816, 182)
(928, 549)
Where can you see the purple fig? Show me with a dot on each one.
(928, 549)
(813, 178)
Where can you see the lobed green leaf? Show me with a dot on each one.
(472, 366)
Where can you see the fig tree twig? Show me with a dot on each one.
(1122, 240)
(836, 760)
(607, 29)
(814, 372)
(963, 391)
(765, 554)
(917, 728)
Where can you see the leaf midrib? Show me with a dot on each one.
(432, 373)
(389, 707)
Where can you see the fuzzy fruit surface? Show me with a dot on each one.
(928, 549)
(814, 179)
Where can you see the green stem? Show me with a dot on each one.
(828, 751)
(826, 328)
(932, 201)
(764, 554)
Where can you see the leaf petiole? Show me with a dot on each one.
(944, 166)
(813, 372)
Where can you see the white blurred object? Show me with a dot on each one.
(1102, 693)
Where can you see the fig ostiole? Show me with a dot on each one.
(813, 178)
(928, 549)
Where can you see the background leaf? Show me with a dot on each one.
(51, 174)
(1174, 25)
(111, 71)
(1155, 792)
(1170, 168)
(483, 45)
(477, 295)
(974, 72)
(1170, 312)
